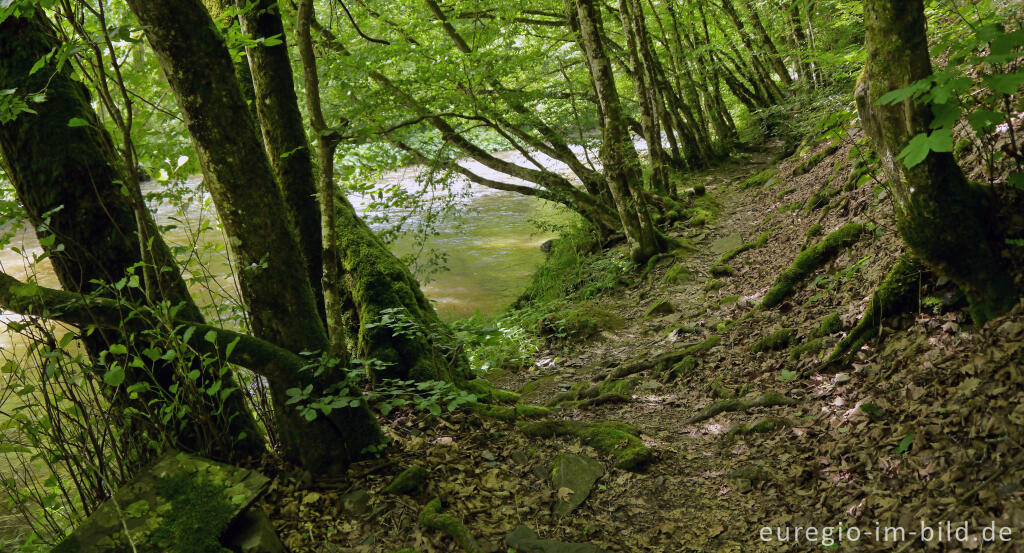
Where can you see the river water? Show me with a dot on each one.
(489, 241)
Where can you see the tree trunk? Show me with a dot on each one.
(621, 163)
(939, 215)
(283, 132)
(96, 223)
(272, 271)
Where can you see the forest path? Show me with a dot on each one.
(686, 500)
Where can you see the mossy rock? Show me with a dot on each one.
(578, 474)
(829, 326)
(812, 346)
(659, 308)
(180, 503)
(679, 274)
(580, 322)
(780, 339)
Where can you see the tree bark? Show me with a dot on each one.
(940, 216)
(72, 193)
(621, 163)
(283, 132)
(272, 271)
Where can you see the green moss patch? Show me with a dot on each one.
(617, 441)
(407, 481)
(679, 274)
(780, 339)
(812, 346)
(829, 325)
(581, 322)
(757, 179)
(761, 240)
(813, 161)
(811, 260)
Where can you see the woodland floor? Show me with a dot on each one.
(940, 440)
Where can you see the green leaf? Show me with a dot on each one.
(1005, 84)
(118, 349)
(946, 115)
(983, 120)
(78, 122)
(915, 152)
(211, 336)
(1017, 181)
(787, 376)
(114, 376)
(941, 140)
(905, 444)
(901, 94)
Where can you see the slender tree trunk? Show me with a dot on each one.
(73, 193)
(283, 132)
(621, 164)
(645, 92)
(939, 215)
(274, 281)
(769, 45)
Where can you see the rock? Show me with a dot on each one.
(408, 481)
(660, 307)
(355, 503)
(524, 540)
(573, 476)
(253, 532)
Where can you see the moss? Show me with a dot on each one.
(199, 514)
(757, 179)
(896, 294)
(485, 390)
(783, 193)
(962, 147)
(580, 322)
(762, 426)
(728, 300)
(720, 270)
(780, 339)
(790, 207)
(713, 285)
(658, 308)
(813, 161)
(814, 231)
(617, 441)
(407, 481)
(812, 346)
(819, 199)
(761, 240)
(829, 325)
(678, 274)
(810, 260)
(613, 389)
(684, 367)
(431, 517)
(707, 344)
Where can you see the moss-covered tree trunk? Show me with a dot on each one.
(940, 216)
(272, 271)
(68, 181)
(619, 157)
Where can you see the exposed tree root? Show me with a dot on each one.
(897, 294)
(763, 426)
(813, 161)
(508, 413)
(666, 360)
(585, 395)
(487, 392)
(431, 517)
(811, 260)
(767, 400)
(616, 440)
(748, 246)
